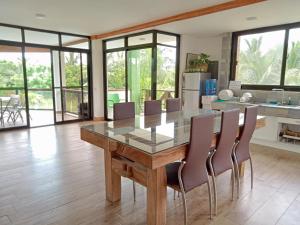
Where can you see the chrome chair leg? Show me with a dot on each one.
(182, 192)
(214, 184)
(134, 192)
(210, 197)
(237, 174)
(232, 181)
(185, 207)
(251, 165)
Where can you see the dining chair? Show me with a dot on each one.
(220, 159)
(241, 152)
(14, 109)
(152, 107)
(173, 105)
(121, 111)
(190, 173)
(124, 110)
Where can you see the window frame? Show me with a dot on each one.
(153, 45)
(59, 48)
(234, 49)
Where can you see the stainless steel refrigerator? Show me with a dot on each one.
(193, 87)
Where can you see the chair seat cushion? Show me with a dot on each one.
(172, 173)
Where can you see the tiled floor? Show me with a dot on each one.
(49, 176)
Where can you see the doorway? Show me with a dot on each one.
(39, 86)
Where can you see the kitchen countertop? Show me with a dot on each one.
(267, 109)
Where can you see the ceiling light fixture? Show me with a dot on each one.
(251, 18)
(40, 16)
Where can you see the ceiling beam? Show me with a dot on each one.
(178, 17)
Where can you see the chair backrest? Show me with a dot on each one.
(124, 110)
(173, 104)
(14, 101)
(194, 172)
(242, 149)
(221, 160)
(152, 107)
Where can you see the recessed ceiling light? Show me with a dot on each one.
(251, 18)
(40, 16)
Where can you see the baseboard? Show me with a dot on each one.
(99, 119)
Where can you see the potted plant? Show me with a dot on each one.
(199, 63)
(203, 62)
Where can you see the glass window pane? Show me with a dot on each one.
(10, 34)
(71, 70)
(58, 104)
(12, 94)
(140, 39)
(69, 41)
(292, 73)
(12, 100)
(85, 81)
(139, 77)
(43, 38)
(166, 39)
(11, 67)
(115, 67)
(72, 98)
(38, 67)
(259, 58)
(56, 68)
(119, 43)
(166, 73)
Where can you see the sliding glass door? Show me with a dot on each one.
(39, 86)
(71, 88)
(12, 88)
(140, 67)
(139, 77)
(116, 83)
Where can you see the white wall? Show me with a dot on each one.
(190, 44)
(98, 90)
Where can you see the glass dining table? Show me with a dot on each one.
(140, 148)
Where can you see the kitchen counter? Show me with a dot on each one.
(287, 111)
(277, 116)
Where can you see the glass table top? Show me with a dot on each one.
(155, 133)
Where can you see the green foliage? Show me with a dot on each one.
(11, 74)
(72, 69)
(115, 70)
(254, 67)
(292, 76)
(39, 77)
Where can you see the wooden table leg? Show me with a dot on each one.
(112, 180)
(156, 196)
(242, 169)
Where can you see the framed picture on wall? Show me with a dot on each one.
(196, 62)
(190, 62)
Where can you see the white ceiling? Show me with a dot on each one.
(271, 12)
(93, 16)
(100, 16)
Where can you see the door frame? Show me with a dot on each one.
(60, 48)
(153, 45)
